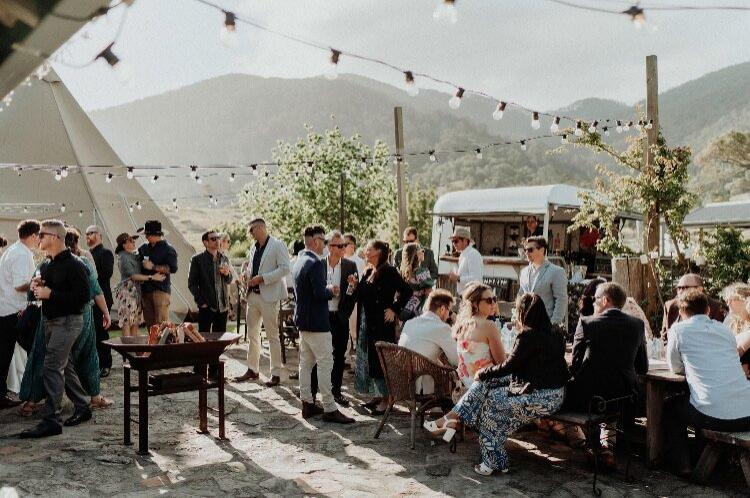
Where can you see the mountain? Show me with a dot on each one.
(238, 119)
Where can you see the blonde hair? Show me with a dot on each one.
(739, 291)
(470, 298)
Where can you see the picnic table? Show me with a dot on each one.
(660, 383)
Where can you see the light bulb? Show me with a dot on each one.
(363, 163)
(254, 169)
(64, 172)
(25, 209)
(592, 127)
(650, 124)
(445, 13)
(18, 170)
(433, 158)
(523, 145)
(606, 131)
(62, 208)
(555, 126)
(636, 15)
(154, 179)
(109, 177)
(138, 205)
(193, 171)
(130, 174)
(627, 126)
(619, 126)
(228, 34)
(174, 202)
(455, 101)
(80, 214)
(564, 139)
(333, 67)
(499, 111)
(579, 130)
(198, 179)
(210, 200)
(638, 125)
(535, 121)
(231, 177)
(130, 208)
(58, 175)
(478, 152)
(411, 86)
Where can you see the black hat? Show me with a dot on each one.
(152, 227)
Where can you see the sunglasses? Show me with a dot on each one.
(409, 241)
(339, 246)
(529, 249)
(489, 300)
(43, 234)
(685, 287)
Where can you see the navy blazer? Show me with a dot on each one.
(311, 293)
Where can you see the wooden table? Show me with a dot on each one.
(660, 382)
(149, 357)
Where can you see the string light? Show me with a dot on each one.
(411, 86)
(130, 174)
(228, 34)
(535, 121)
(154, 179)
(523, 145)
(579, 130)
(62, 208)
(25, 209)
(606, 131)
(455, 101)
(636, 15)
(194, 172)
(231, 178)
(478, 152)
(619, 126)
(130, 208)
(627, 126)
(109, 178)
(564, 139)
(198, 179)
(555, 126)
(254, 169)
(18, 170)
(58, 175)
(445, 12)
(138, 205)
(80, 214)
(333, 67)
(497, 115)
(592, 127)
(650, 124)
(64, 172)
(121, 69)
(433, 158)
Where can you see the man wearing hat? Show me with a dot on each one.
(158, 257)
(470, 263)
(104, 261)
(688, 282)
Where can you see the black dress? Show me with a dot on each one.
(387, 291)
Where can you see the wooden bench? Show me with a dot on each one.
(718, 442)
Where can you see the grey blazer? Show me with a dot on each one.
(552, 286)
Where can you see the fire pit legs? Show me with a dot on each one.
(203, 401)
(126, 403)
(142, 412)
(221, 400)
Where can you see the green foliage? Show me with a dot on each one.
(727, 256)
(725, 167)
(637, 188)
(306, 187)
(420, 202)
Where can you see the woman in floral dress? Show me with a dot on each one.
(418, 277)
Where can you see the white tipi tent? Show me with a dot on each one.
(46, 126)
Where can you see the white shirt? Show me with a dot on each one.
(333, 277)
(359, 262)
(428, 335)
(16, 269)
(706, 352)
(470, 268)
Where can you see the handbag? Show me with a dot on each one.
(28, 320)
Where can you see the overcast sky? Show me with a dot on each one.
(533, 52)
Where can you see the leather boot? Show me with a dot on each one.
(310, 410)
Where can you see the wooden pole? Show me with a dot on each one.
(653, 214)
(342, 181)
(403, 217)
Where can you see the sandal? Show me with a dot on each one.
(102, 403)
(483, 470)
(446, 432)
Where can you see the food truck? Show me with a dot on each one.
(501, 218)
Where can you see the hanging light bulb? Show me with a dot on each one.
(650, 124)
(80, 214)
(627, 126)
(130, 174)
(579, 130)
(478, 152)
(535, 124)
(231, 177)
(333, 67)
(138, 205)
(363, 163)
(619, 126)
(154, 179)
(445, 12)
(64, 172)
(58, 175)
(130, 208)
(121, 69)
(198, 179)
(455, 101)
(193, 171)
(555, 126)
(210, 200)
(638, 125)
(636, 15)
(606, 131)
(497, 115)
(433, 158)
(592, 128)
(62, 208)
(18, 170)
(25, 209)
(254, 169)
(228, 34)
(174, 202)
(564, 139)
(523, 145)
(109, 177)
(411, 86)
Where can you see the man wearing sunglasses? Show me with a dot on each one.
(687, 282)
(208, 281)
(63, 289)
(470, 262)
(545, 279)
(411, 236)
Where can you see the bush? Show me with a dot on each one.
(727, 256)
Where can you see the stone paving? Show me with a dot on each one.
(273, 452)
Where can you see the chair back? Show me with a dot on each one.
(402, 366)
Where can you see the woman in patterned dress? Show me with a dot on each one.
(538, 373)
(418, 277)
(127, 299)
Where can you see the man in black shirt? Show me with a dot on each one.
(63, 288)
(158, 257)
(208, 280)
(105, 263)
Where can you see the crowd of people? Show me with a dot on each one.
(346, 303)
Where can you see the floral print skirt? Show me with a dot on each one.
(127, 301)
(487, 407)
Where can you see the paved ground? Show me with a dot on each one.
(273, 452)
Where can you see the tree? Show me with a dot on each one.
(732, 148)
(725, 167)
(306, 187)
(420, 202)
(637, 188)
(727, 256)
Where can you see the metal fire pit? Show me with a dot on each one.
(147, 357)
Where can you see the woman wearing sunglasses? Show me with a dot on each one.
(538, 373)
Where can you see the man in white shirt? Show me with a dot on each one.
(428, 334)
(705, 351)
(470, 263)
(16, 272)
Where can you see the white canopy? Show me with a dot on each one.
(524, 200)
(46, 126)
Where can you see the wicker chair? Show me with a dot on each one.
(401, 368)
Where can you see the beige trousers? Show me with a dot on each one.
(155, 308)
(260, 312)
(316, 347)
